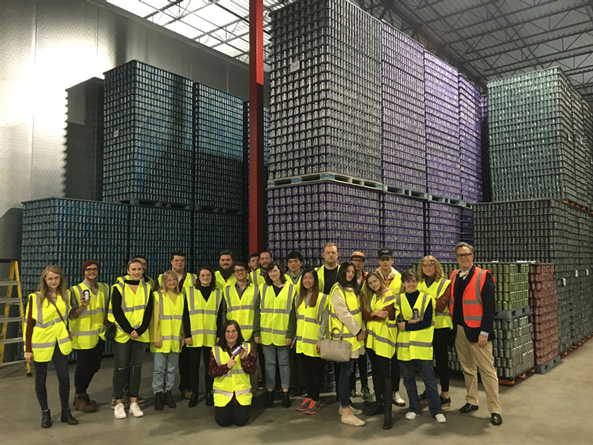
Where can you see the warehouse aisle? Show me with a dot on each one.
(554, 408)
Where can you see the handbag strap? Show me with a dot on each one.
(59, 313)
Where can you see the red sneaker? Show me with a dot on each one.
(304, 404)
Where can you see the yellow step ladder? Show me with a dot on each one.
(14, 280)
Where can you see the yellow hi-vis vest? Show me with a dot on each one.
(257, 276)
(88, 328)
(202, 316)
(49, 327)
(321, 277)
(308, 324)
(170, 321)
(275, 313)
(242, 310)
(221, 283)
(354, 307)
(414, 345)
(381, 335)
(396, 284)
(133, 305)
(127, 277)
(235, 381)
(436, 290)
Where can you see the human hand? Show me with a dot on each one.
(230, 363)
(29, 357)
(158, 344)
(257, 340)
(412, 321)
(380, 314)
(134, 335)
(288, 342)
(189, 341)
(482, 340)
(362, 335)
(243, 354)
(318, 347)
(401, 325)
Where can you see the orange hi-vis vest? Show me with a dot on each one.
(472, 297)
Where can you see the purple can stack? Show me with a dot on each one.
(443, 230)
(470, 141)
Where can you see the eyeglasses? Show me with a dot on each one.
(91, 269)
(464, 255)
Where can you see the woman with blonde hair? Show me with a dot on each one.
(379, 313)
(432, 281)
(166, 338)
(47, 338)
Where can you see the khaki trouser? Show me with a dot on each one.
(473, 357)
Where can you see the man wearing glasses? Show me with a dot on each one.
(472, 307)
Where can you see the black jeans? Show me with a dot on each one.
(381, 377)
(61, 364)
(395, 374)
(88, 363)
(195, 356)
(361, 362)
(184, 369)
(231, 414)
(313, 373)
(128, 359)
(440, 343)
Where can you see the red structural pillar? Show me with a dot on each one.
(256, 126)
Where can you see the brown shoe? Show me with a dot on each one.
(82, 403)
(187, 393)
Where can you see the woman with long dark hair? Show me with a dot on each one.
(47, 338)
(310, 304)
(346, 318)
(231, 363)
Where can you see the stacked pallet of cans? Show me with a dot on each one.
(325, 91)
(513, 344)
(68, 232)
(214, 232)
(443, 230)
(305, 217)
(441, 86)
(538, 144)
(148, 135)
(470, 141)
(404, 124)
(543, 301)
(403, 229)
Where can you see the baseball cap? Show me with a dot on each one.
(358, 254)
(385, 253)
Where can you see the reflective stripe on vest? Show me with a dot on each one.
(49, 328)
(236, 381)
(381, 334)
(89, 327)
(241, 309)
(415, 345)
(472, 297)
(353, 304)
(133, 311)
(170, 319)
(442, 319)
(275, 314)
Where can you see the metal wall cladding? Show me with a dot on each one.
(48, 47)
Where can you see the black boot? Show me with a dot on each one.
(285, 400)
(159, 403)
(67, 417)
(45, 419)
(375, 410)
(169, 400)
(193, 400)
(209, 399)
(268, 399)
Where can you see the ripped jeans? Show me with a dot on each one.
(128, 359)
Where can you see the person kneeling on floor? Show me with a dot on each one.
(231, 363)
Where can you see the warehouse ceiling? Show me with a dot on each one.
(484, 39)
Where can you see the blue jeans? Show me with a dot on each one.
(270, 352)
(165, 365)
(344, 382)
(430, 382)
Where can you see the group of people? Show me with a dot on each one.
(245, 317)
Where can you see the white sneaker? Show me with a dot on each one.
(397, 399)
(356, 412)
(352, 420)
(119, 411)
(135, 410)
(411, 415)
(441, 418)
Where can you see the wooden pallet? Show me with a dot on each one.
(508, 381)
(542, 369)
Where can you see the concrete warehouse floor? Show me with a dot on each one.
(553, 408)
